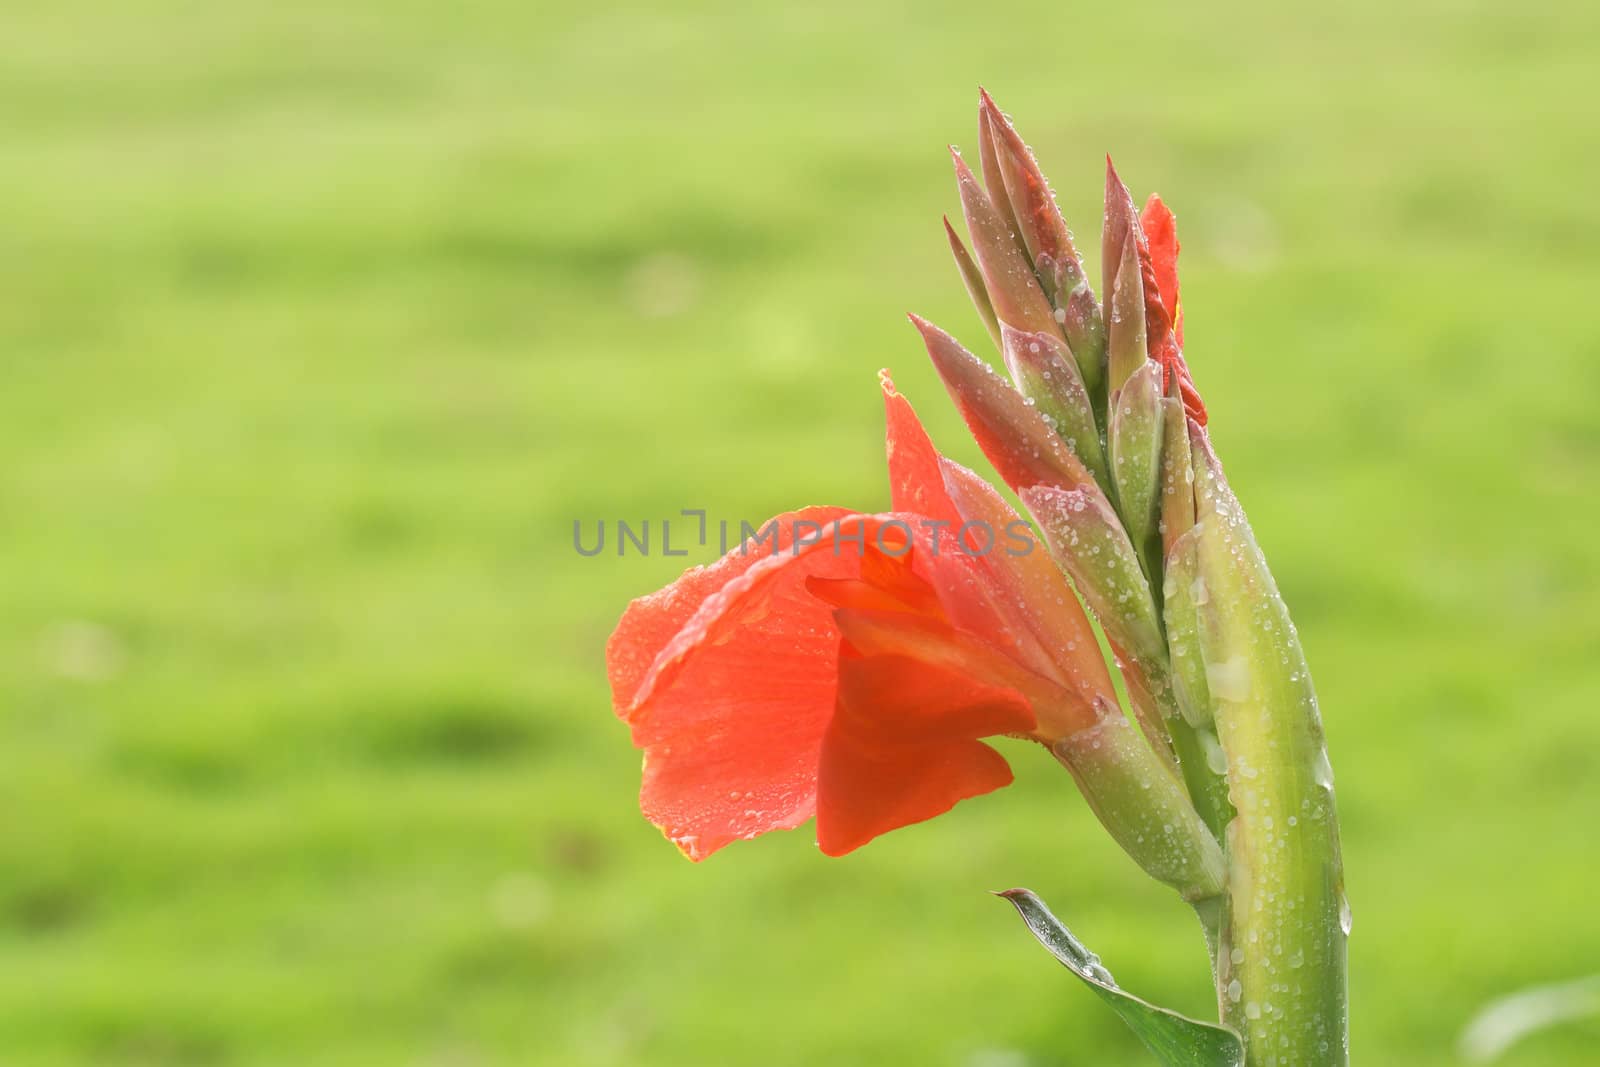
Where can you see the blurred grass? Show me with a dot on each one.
(321, 327)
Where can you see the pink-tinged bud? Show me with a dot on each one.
(1042, 366)
(1088, 540)
(1021, 445)
(1043, 231)
(994, 182)
(1126, 350)
(1119, 215)
(1013, 289)
(972, 279)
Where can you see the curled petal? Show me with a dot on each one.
(1161, 230)
(1166, 345)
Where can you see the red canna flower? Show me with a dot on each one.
(848, 665)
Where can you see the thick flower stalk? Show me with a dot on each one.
(1159, 548)
(852, 666)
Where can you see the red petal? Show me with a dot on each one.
(882, 587)
(651, 621)
(732, 708)
(903, 747)
(915, 482)
(1161, 269)
(1161, 229)
(938, 645)
(1191, 396)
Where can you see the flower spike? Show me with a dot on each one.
(854, 667)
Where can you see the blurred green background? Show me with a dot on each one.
(321, 324)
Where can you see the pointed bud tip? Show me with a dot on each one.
(987, 105)
(932, 336)
(1115, 184)
(923, 326)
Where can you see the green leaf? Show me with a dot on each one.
(1177, 1041)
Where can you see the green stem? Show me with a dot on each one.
(1281, 969)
